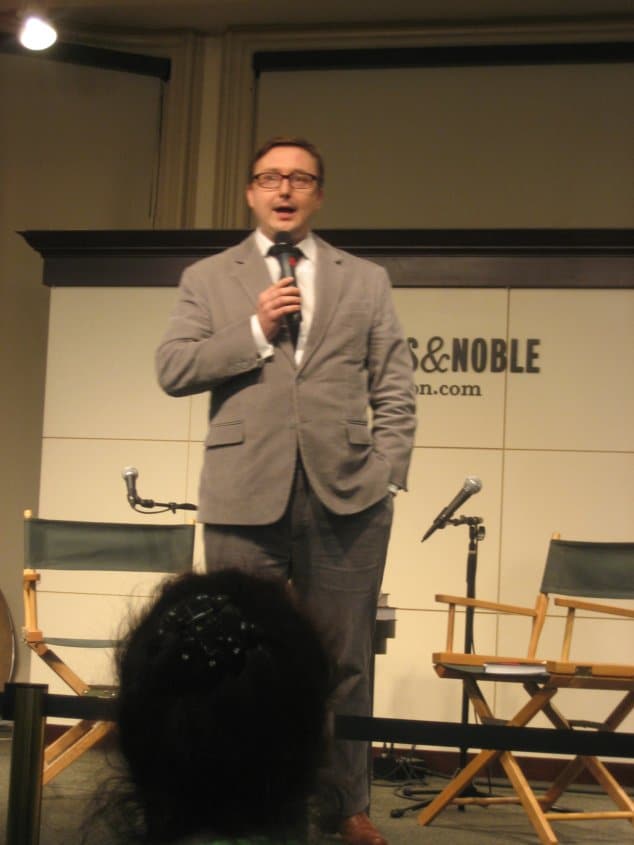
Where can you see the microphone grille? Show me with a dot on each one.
(130, 471)
(472, 484)
(283, 239)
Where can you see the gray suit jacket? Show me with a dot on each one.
(263, 411)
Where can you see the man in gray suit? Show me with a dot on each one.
(309, 437)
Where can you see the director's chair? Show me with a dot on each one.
(574, 571)
(72, 554)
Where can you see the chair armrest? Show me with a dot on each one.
(462, 601)
(596, 607)
(31, 630)
(481, 604)
(32, 635)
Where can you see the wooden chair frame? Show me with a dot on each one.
(542, 680)
(78, 738)
(84, 734)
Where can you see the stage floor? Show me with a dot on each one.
(67, 799)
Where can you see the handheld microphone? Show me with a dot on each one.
(130, 475)
(471, 486)
(288, 255)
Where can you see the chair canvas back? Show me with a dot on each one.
(589, 569)
(107, 546)
(92, 578)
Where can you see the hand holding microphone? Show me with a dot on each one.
(287, 255)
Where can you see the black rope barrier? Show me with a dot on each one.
(92, 708)
(405, 731)
(499, 737)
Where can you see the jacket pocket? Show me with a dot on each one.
(359, 433)
(225, 434)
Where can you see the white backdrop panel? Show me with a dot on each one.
(101, 379)
(583, 396)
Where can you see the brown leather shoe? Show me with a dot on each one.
(359, 830)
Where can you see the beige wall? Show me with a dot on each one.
(554, 449)
(78, 150)
(464, 147)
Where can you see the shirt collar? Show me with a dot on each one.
(308, 245)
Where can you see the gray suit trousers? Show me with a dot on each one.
(336, 566)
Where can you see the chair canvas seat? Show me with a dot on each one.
(457, 671)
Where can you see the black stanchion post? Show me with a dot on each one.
(25, 704)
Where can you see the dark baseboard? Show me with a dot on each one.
(535, 768)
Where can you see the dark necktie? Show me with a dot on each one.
(288, 256)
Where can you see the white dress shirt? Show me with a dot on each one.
(305, 275)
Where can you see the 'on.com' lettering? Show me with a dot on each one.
(448, 390)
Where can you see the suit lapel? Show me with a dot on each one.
(250, 269)
(329, 280)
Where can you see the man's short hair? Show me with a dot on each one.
(288, 141)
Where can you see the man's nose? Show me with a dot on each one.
(285, 185)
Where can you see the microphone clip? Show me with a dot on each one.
(474, 522)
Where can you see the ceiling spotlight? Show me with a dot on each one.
(36, 33)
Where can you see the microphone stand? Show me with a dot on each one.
(477, 533)
(163, 506)
(136, 503)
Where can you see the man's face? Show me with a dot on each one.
(285, 209)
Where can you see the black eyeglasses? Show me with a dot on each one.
(270, 180)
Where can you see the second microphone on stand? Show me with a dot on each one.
(471, 485)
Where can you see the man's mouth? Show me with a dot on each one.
(284, 210)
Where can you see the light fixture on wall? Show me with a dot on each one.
(36, 30)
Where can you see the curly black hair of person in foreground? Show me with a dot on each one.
(224, 684)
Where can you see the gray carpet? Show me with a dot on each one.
(66, 799)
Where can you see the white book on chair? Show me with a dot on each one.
(510, 667)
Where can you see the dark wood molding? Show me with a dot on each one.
(100, 57)
(508, 258)
(599, 52)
